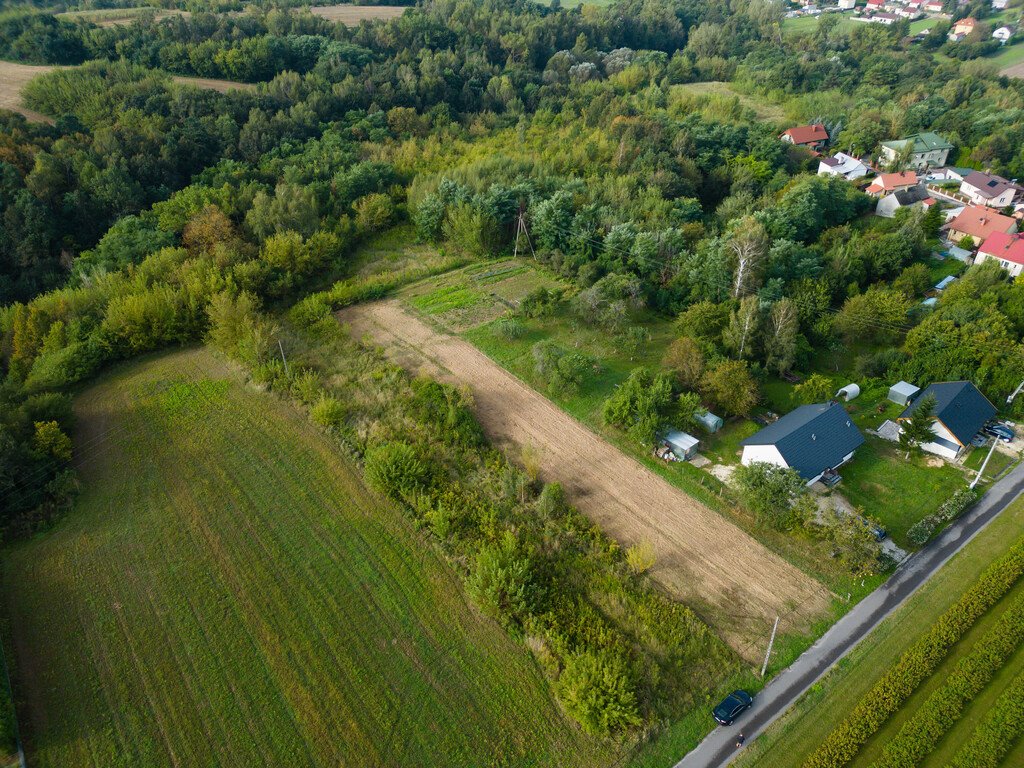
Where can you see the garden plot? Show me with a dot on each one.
(697, 550)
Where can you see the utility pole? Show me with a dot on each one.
(522, 230)
(283, 358)
(764, 667)
(984, 464)
(1016, 392)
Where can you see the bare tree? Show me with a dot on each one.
(749, 242)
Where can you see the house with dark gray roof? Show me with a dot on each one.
(988, 189)
(960, 413)
(812, 439)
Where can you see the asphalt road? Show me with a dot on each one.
(719, 748)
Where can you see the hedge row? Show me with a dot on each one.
(920, 735)
(998, 731)
(950, 510)
(917, 663)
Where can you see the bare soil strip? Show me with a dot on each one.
(1017, 70)
(734, 582)
(351, 15)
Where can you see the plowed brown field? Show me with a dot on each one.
(732, 580)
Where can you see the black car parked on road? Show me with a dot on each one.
(732, 706)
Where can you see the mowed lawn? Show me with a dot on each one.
(227, 593)
(788, 742)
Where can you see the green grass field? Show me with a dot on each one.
(226, 592)
(788, 742)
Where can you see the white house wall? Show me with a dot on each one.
(766, 453)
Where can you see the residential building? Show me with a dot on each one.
(847, 5)
(887, 183)
(979, 223)
(842, 164)
(960, 413)
(813, 439)
(999, 5)
(928, 150)
(1004, 33)
(962, 28)
(1007, 249)
(903, 198)
(884, 18)
(932, 6)
(988, 189)
(810, 136)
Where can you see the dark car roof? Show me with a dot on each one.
(959, 405)
(730, 702)
(812, 438)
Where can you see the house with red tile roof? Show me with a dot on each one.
(887, 183)
(1005, 248)
(810, 136)
(978, 223)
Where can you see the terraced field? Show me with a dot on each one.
(226, 592)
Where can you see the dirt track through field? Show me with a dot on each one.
(14, 77)
(733, 581)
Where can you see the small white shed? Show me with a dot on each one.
(902, 392)
(848, 392)
(683, 445)
(710, 422)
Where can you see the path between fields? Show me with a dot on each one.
(719, 748)
(734, 582)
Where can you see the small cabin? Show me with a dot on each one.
(903, 393)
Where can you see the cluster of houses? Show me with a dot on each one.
(980, 209)
(816, 440)
(888, 12)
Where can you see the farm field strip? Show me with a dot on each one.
(697, 550)
(350, 15)
(227, 593)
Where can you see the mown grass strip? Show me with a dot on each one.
(921, 734)
(996, 735)
(917, 663)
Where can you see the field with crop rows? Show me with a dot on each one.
(966, 710)
(226, 592)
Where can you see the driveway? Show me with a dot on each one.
(719, 748)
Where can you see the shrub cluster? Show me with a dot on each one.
(951, 509)
(917, 663)
(998, 731)
(619, 655)
(920, 735)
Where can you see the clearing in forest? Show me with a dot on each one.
(226, 592)
(734, 582)
(351, 15)
(13, 78)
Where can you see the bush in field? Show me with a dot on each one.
(640, 557)
(540, 302)
(640, 404)
(595, 688)
(502, 582)
(510, 328)
(768, 491)
(395, 469)
(329, 412)
(564, 371)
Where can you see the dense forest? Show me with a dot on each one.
(151, 211)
